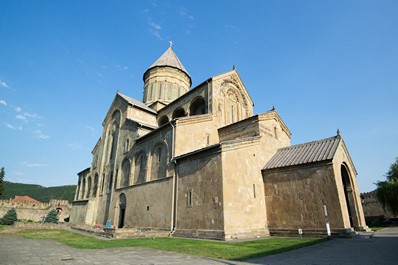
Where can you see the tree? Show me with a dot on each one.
(2, 174)
(52, 217)
(387, 191)
(9, 218)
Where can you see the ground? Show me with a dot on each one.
(379, 249)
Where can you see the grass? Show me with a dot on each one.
(377, 228)
(212, 249)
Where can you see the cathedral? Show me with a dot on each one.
(198, 163)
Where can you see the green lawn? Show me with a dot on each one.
(213, 249)
(377, 228)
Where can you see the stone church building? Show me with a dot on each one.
(198, 163)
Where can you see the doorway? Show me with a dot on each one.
(122, 210)
(349, 196)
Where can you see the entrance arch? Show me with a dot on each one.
(122, 210)
(349, 196)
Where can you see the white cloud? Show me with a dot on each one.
(184, 14)
(155, 26)
(30, 164)
(18, 109)
(75, 146)
(3, 84)
(232, 28)
(32, 115)
(20, 117)
(41, 135)
(9, 126)
(3, 102)
(91, 129)
(155, 29)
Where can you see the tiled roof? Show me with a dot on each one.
(169, 58)
(137, 103)
(311, 152)
(24, 199)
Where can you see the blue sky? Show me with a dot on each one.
(323, 64)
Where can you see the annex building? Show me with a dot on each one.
(198, 163)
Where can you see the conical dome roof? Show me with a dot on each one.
(169, 58)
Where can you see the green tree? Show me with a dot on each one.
(387, 191)
(2, 175)
(52, 217)
(9, 218)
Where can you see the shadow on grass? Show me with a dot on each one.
(269, 252)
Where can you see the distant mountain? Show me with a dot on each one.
(38, 192)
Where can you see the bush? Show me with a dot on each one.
(9, 218)
(52, 217)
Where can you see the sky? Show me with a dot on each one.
(324, 65)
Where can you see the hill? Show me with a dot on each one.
(38, 192)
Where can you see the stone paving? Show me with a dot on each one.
(382, 248)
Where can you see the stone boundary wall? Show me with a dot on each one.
(35, 211)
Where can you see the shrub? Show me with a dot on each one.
(52, 217)
(9, 218)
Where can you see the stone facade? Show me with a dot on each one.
(192, 162)
(29, 211)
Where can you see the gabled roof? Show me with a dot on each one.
(169, 58)
(317, 151)
(137, 103)
(24, 199)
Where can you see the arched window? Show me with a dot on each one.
(83, 188)
(126, 172)
(88, 188)
(159, 161)
(78, 189)
(139, 170)
(114, 134)
(179, 112)
(95, 185)
(110, 182)
(198, 106)
(163, 120)
(232, 107)
(127, 145)
(103, 182)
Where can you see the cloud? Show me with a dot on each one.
(184, 14)
(155, 29)
(155, 26)
(20, 117)
(91, 129)
(41, 135)
(3, 84)
(30, 164)
(75, 146)
(18, 173)
(32, 115)
(3, 102)
(25, 115)
(9, 126)
(232, 28)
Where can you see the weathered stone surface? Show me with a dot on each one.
(191, 162)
